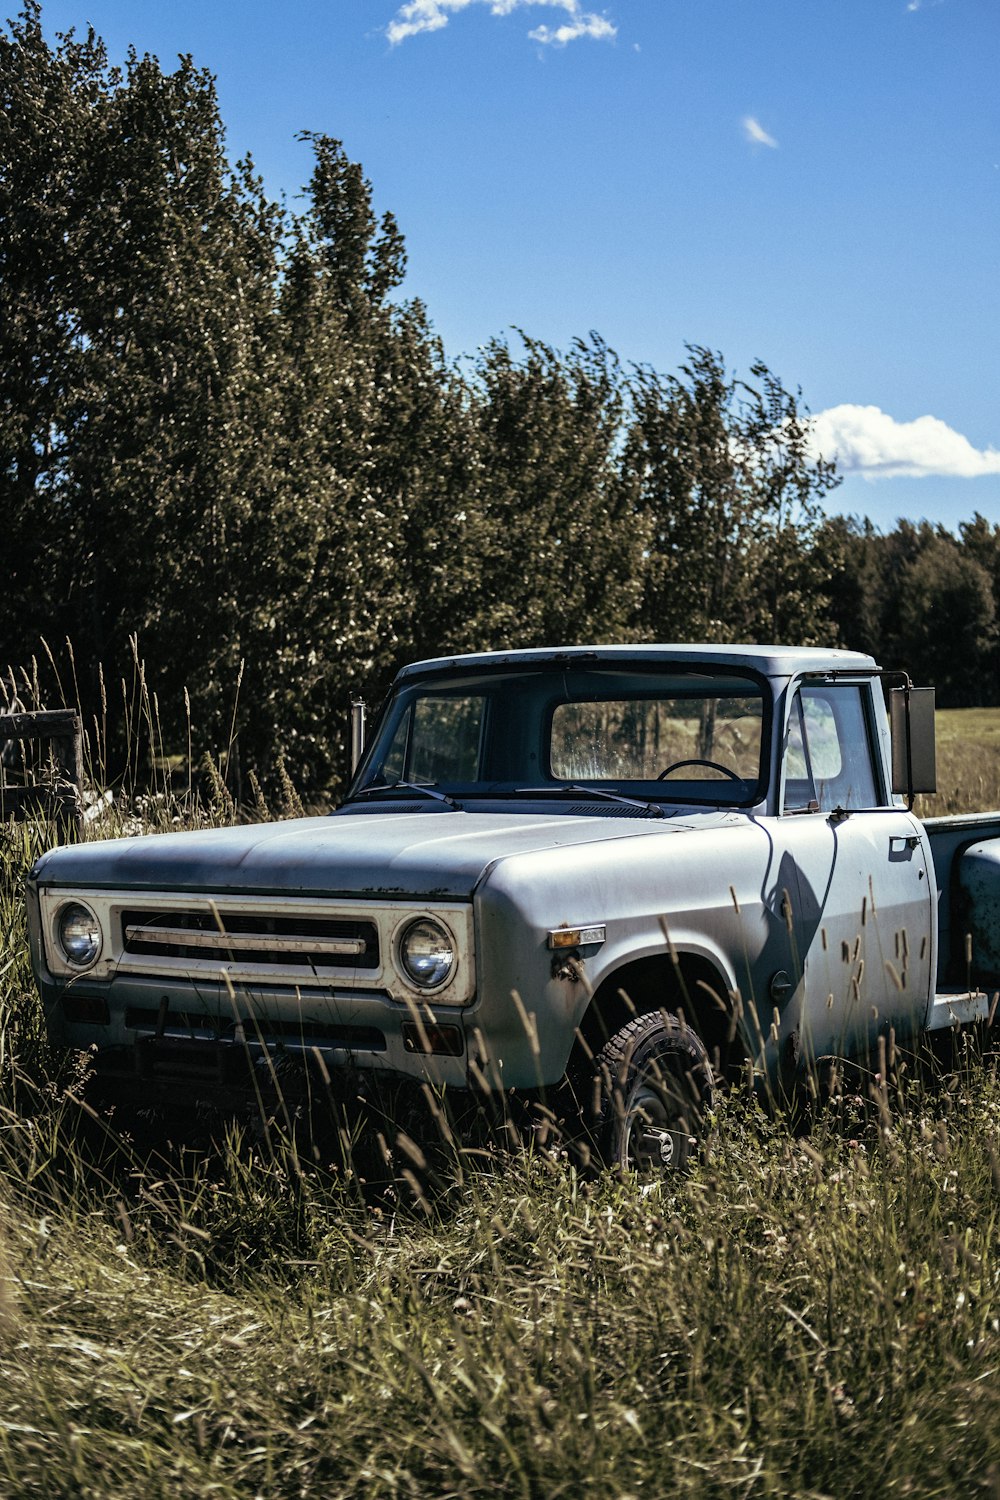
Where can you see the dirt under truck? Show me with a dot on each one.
(621, 873)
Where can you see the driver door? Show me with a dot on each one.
(864, 899)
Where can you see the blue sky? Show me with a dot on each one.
(812, 182)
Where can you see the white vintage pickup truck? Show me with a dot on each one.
(635, 868)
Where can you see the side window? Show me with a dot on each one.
(828, 751)
(437, 739)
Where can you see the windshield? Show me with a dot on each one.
(660, 734)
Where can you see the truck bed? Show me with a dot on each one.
(966, 907)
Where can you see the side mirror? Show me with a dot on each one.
(914, 759)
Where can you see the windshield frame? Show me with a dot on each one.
(452, 680)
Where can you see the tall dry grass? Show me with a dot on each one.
(805, 1314)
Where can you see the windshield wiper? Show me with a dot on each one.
(651, 809)
(426, 788)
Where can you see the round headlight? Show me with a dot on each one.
(79, 934)
(427, 953)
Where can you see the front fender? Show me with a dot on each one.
(654, 896)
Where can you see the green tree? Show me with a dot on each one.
(980, 541)
(374, 457)
(561, 544)
(139, 289)
(947, 622)
(224, 435)
(221, 436)
(725, 482)
(862, 592)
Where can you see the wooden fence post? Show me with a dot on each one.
(63, 797)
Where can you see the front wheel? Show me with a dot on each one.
(653, 1088)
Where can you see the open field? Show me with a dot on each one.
(813, 1311)
(968, 743)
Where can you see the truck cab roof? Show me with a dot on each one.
(769, 661)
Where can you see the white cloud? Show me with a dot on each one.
(596, 27)
(421, 15)
(755, 132)
(416, 16)
(867, 441)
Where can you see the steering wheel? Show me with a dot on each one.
(713, 765)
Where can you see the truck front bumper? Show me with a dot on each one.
(215, 1041)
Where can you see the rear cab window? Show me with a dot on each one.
(707, 735)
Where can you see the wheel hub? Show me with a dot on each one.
(653, 1148)
(656, 1146)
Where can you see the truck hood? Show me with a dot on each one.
(436, 855)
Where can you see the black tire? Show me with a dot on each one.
(652, 1089)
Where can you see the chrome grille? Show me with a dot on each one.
(291, 942)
